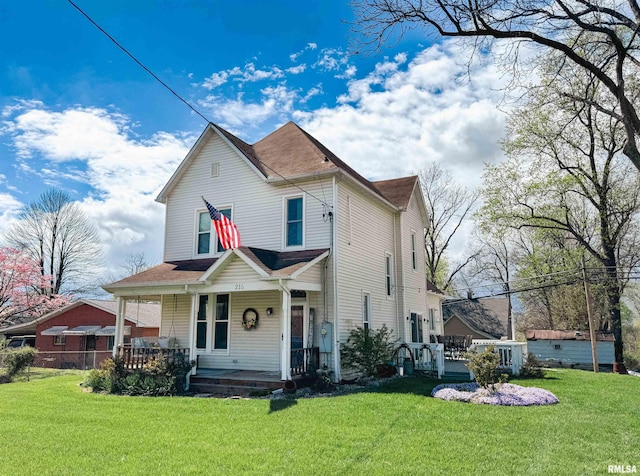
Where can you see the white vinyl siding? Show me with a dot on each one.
(176, 310)
(257, 205)
(362, 235)
(255, 349)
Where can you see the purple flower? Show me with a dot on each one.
(506, 394)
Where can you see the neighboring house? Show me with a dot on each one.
(570, 348)
(87, 325)
(324, 251)
(482, 318)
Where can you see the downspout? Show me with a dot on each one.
(397, 259)
(333, 247)
(285, 368)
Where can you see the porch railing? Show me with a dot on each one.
(305, 360)
(511, 353)
(136, 358)
(429, 357)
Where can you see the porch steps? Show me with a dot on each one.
(456, 376)
(227, 387)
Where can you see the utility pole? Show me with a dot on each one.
(592, 331)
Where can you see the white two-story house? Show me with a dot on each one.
(323, 251)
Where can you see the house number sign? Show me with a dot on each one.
(239, 286)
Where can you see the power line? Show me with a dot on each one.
(139, 63)
(180, 98)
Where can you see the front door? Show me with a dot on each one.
(297, 338)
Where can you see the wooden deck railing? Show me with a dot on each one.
(305, 360)
(136, 357)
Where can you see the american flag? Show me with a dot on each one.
(225, 229)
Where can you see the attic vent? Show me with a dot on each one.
(215, 169)
(326, 159)
(412, 203)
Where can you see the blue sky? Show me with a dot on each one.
(77, 113)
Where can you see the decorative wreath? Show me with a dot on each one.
(250, 318)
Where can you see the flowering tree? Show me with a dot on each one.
(21, 282)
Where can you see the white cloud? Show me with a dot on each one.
(125, 173)
(402, 116)
(297, 69)
(9, 210)
(249, 74)
(215, 80)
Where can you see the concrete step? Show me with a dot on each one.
(457, 376)
(225, 390)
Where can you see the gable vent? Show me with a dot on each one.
(215, 169)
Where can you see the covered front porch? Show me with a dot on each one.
(249, 310)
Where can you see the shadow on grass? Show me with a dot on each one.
(281, 404)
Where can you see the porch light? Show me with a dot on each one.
(269, 311)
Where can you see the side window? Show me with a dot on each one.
(432, 319)
(414, 258)
(416, 327)
(294, 221)
(388, 265)
(366, 310)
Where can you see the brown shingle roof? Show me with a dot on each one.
(275, 263)
(398, 191)
(488, 315)
(291, 151)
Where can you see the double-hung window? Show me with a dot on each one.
(294, 221)
(432, 319)
(205, 232)
(221, 325)
(366, 310)
(388, 267)
(201, 322)
(414, 257)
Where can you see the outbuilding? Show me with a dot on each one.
(570, 348)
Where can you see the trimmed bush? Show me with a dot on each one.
(367, 350)
(484, 366)
(532, 368)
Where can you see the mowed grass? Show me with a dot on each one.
(51, 426)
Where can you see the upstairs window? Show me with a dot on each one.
(414, 260)
(388, 264)
(432, 319)
(203, 245)
(294, 221)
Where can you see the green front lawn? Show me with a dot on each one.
(51, 426)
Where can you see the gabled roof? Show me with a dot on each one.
(398, 191)
(268, 263)
(290, 153)
(486, 315)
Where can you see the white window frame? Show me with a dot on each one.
(213, 324)
(207, 321)
(285, 221)
(414, 251)
(419, 320)
(213, 237)
(389, 278)
(366, 310)
(59, 339)
(432, 319)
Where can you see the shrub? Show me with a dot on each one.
(160, 376)
(367, 350)
(484, 366)
(532, 368)
(18, 360)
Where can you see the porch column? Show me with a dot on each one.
(286, 334)
(192, 331)
(119, 332)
